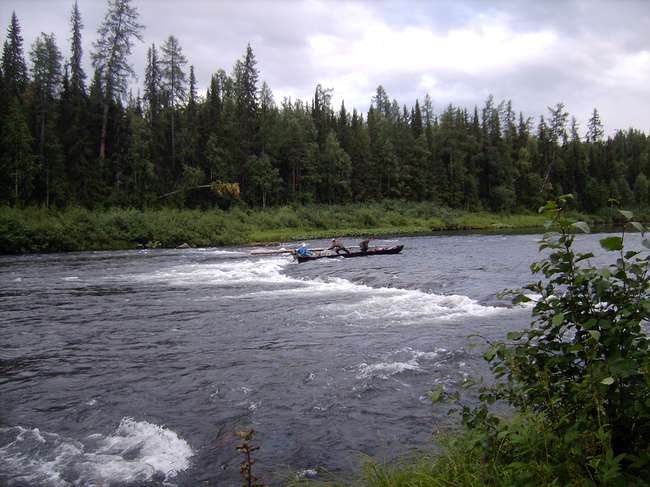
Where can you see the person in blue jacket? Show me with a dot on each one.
(303, 251)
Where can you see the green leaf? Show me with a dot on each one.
(612, 243)
(437, 393)
(514, 335)
(582, 226)
(550, 205)
(489, 355)
(638, 226)
(646, 243)
(627, 214)
(595, 334)
(557, 319)
(608, 381)
(521, 298)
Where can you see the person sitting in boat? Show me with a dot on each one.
(303, 251)
(337, 246)
(363, 245)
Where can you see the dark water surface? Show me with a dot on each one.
(125, 367)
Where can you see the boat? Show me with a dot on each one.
(371, 251)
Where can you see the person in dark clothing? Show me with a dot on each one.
(337, 246)
(363, 245)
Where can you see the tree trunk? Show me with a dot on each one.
(43, 162)
(102, 140)
(173, 143)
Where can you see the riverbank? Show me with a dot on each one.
(34, 230)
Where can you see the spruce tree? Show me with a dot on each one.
(175, 85)
(14, 69)
(246, 107)
(16, 157)
(46, 68)
(152, 85)
(595, 130)
(112, 48)
(77, 74)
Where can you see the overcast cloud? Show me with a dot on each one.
(584, 53)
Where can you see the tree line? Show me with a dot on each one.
(69, 139)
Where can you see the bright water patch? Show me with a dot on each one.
(137, 451)
(220, 273)
(399, 361)
(389, 305)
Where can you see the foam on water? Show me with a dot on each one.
(409, 305)
(135, 452)
(403, 360)
(385, 304)
(223, 273)
(383, 370)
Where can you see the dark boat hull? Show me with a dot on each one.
(376, 251)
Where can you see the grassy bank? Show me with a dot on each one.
(40, 230)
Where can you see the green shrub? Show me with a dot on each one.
(582, 369)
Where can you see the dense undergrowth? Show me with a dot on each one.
(33, 230)
(578, 382)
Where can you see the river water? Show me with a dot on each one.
(126, 368)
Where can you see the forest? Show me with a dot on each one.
(71, 138)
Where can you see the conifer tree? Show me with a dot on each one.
(152, 85)
(246, 107)
(16, 157)
(174, 83)
(14, 69)
(416, 121)
(190, 129)
(46, 68)
(77, 74)
(115, 40)
(595, 130)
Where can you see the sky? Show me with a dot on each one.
(584, 53)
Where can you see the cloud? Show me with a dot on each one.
(585, 53)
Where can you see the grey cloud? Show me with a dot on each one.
(592, 34)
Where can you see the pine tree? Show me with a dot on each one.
(14, 69)
(46, 67)
(16, 157)
(152, 85)
(190, 149)
(595, 130)
(246, 107)
(110, 57)
(416, 121)
(77, 75)
(174, 84)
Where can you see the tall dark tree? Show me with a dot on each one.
(152, 85)
(77, 74)
(14, 69)
(595, 130)
(74, 119)
(174, 84)
(190, 127)
(246, 77)
(113, 47)
(46, 68)
(16, 158)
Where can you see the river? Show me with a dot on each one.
(122, 368)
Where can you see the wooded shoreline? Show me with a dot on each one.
(39, 230)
